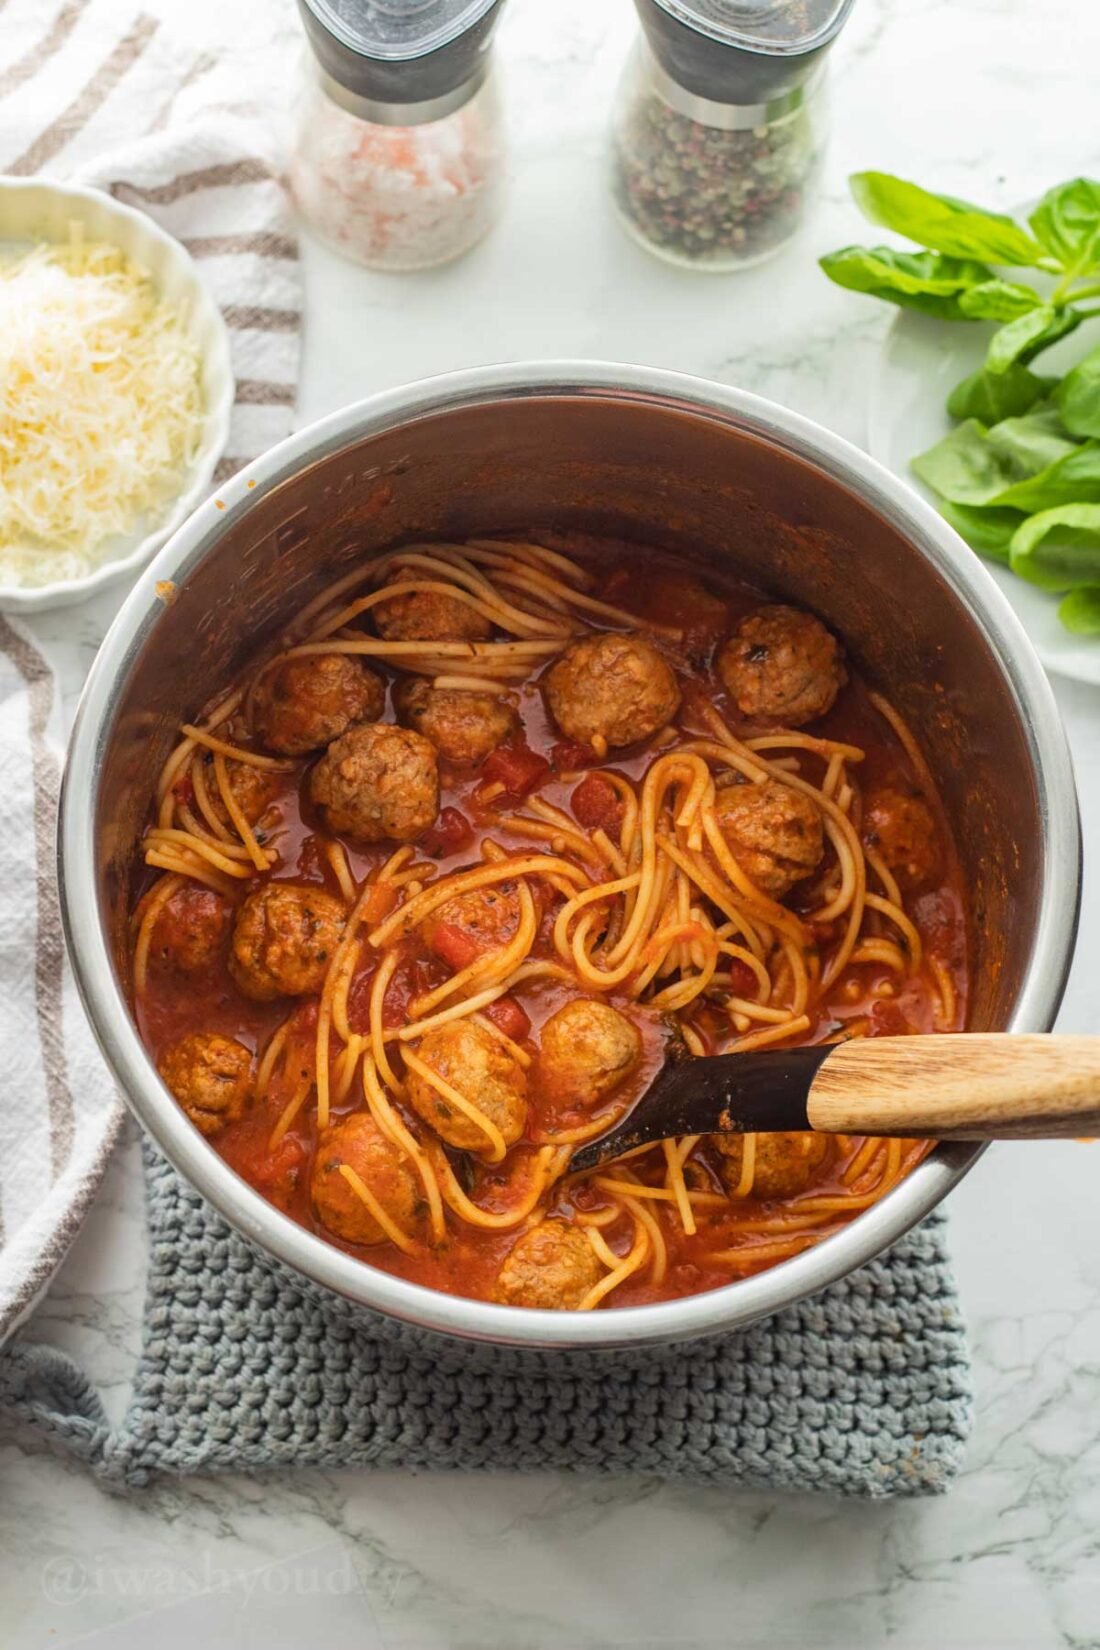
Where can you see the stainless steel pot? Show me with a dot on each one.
(722, 477)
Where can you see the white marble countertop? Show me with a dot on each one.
(948, 91)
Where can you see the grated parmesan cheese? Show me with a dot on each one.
(101, 408)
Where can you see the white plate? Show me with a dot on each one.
(32, 211)
(921, 362)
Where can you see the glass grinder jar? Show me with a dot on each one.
(398, 160)
(719, 124)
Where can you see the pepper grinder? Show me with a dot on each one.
(718, 126)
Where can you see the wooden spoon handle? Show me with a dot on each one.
(973, 1086)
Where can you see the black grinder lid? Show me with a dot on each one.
(741, 51)
(400, 51)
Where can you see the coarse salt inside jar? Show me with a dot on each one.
(399, 156)
(719, 126)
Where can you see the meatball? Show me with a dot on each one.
(551, 1268)
(785, 1163)
(192, 928)
(900, 827)
(210, 1076)
(428, 616)
(254, 789)
(377, 782)
(284, 939)
(774, 833)
(463, 727)
(613, 688)
(483, 1071)
(360, 1143)
(782, 665)
(586, 1050)
(309, 701)
(472, 924)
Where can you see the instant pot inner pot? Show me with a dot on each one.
(673, 477)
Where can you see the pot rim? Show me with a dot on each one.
(737, 1303)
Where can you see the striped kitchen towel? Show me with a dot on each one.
(93, 91)
(188, 130)
(59, 1113)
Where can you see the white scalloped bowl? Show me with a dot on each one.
(33, 211)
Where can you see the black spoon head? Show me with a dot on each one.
(758, 1092)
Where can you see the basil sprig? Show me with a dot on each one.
(1019, 476)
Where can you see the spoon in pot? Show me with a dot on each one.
(965, 1086)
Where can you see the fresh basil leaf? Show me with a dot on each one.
(998, 300)
(942, 222)
(1067, 223)
(963, 467)
(1023, 339)
(1071, 481)
(1078, 396)
(987, 531)
(991, 396)
(979, 466)
(1032, 442)
(925, 281)
(1080, 610)
(1059, 549)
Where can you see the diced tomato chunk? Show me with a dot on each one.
(455, 946)
(184, 791)
(507, 1015)
(517, 767)
(596, 804)
(380, 902)
(451, 833)
(742, 979)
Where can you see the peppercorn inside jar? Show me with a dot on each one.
(710, 185)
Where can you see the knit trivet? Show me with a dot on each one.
(863, 1390)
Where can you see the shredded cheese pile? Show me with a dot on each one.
(101, 408)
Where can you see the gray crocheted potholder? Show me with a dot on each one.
(863, 1390)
